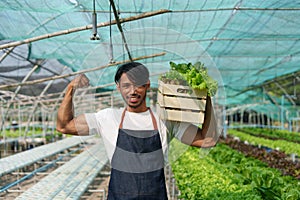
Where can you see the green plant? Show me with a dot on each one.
(273, 134)
(195, 76)
(227, 174)
(285, 146)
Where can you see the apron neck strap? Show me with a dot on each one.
(152, 117)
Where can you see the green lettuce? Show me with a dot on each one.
(194, 75)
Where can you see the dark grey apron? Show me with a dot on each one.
(137, 165)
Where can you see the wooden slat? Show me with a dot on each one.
(181, 102)
(179, 90)
(181, 116)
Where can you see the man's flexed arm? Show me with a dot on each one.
(66, 122)
(206, 136)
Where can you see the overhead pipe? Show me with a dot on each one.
(83, 28)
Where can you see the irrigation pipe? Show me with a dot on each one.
(83, 28)
(79, 72)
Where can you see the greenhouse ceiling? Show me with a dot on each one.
(246, 45)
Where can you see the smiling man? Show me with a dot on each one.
(136, 140)
(133, 82)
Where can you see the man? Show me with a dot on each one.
(135, 138)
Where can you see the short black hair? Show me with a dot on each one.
(136, 72)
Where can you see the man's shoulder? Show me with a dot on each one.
(109, 112)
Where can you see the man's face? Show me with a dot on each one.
(133, 95)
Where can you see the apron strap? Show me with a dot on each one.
(152, 117)
(122, 119)
(153, 120)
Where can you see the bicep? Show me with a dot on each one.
(80, 125)
(191, 135)
(76, 126)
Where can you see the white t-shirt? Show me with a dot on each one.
(106, 123)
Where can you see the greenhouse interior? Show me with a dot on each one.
(249, 50)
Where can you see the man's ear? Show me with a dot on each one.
(118, 86)
(148, 84)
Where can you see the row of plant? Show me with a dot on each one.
(283, 145)
(227, 174)
(30, 133)
(273, 134)
(275, 159)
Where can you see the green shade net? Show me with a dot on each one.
(242, 43)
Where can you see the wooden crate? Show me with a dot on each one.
(181, 103)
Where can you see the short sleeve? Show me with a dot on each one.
(177, 129)
(93, 124)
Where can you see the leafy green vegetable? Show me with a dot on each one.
(273, 133)
(195, 76)
(285, 146)
(173, 77)
(227, 174)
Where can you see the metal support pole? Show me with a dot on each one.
(44, 124)
(173, 188)
(230, 118)
(241, 116)
(272, 119)
(262, 119)
(18, 89)
(225, 122)
(53, 125)
(249, 117)
(281, 113)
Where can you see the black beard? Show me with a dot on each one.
(135, 106)
(131, 106)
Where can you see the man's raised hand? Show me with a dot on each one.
(80, 81)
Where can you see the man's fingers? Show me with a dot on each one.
(81, 81)
(84, 81)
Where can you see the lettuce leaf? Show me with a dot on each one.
(195, 75)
